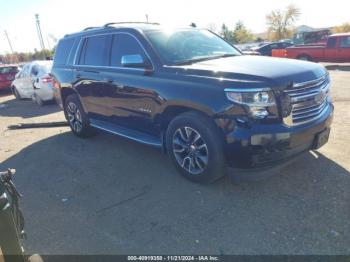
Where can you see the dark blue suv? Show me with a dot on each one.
(193, 95)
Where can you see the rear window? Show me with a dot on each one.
(95, 51)
(331, 42)
(8, 70)
(63, 50)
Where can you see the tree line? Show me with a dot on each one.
(20, 57)
(280, 25)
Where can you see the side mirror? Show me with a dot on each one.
(135, 61)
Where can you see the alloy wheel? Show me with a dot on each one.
(74, 117)
(190, 150)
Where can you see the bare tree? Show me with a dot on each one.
(280, 23)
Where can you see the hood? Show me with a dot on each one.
(277, 71)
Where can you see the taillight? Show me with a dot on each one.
(56, 84)
(46, 79)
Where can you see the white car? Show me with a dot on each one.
(34, 81)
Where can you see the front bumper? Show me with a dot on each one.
(260, 147)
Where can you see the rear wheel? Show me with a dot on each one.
(77, 118)
(194, 146)
(305, 58)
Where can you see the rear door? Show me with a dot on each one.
(90, 81)
(344, 49)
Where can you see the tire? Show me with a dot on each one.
(77, 118)
(194, 146)
(38, 100)
(305, 58)
(16, 93)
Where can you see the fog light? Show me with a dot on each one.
(258, 112)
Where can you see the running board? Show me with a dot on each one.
(126, 132)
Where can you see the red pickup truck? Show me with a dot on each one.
(337, 49)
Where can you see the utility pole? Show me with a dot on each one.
(48, 42)
(9, 41)
(39, 32)
(147, 18)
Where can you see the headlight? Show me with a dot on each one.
(255, 97)
(257, 100)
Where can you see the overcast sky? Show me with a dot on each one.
(59, 17)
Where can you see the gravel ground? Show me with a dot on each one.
(108, 195)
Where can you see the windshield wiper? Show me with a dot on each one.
(200, 59)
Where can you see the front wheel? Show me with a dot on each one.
(77, 118)
(195, 147)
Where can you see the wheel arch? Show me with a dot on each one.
(171, 111)
(65, 92)
(309, 58)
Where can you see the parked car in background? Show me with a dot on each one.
(34, 81)
(193, 95)
(7, 75)
(337, 49)
(266, 50)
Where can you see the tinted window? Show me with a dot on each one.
(95, 51)
(345, 41)
(124, 44)
(264, 48)
(331, 42)
(63, 50)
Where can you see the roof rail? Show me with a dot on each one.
(118, 23)
(88, 28)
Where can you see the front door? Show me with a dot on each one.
(131, 98)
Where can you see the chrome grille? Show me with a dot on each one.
(308, 100)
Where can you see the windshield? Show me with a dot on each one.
(8, 70)
(189, 45)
